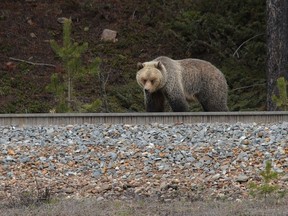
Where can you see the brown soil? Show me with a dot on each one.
(26, 27)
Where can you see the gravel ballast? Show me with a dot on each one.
(194, 161)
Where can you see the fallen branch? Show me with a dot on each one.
(250, 86)
(33, 63)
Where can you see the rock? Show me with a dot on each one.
(285, 178)
(216, 176)
(10, 159)
(62, 20)
(138, 190)
(163, 186)
(242, 178)
(150, 160)
(69, 173)
(100, 198)
(109, 36)
(97, 173)
(69, 190)
(105, 187)
(246, 142)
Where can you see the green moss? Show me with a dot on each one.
(5, 48)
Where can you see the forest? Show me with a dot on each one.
(34, 70)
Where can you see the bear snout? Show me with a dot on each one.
(149, 90)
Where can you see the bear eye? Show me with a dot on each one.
(144, 80)
(152, 81)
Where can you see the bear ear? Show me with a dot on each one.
(140, 65)
(158, 65)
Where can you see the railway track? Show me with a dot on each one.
(46, 119)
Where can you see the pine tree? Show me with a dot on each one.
(266, 187)
(70, 54)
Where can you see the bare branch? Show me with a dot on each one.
(250, 86)
(236, 51)
(33, 63)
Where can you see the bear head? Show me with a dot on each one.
(150, 76)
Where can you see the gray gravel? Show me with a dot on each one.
(194, 160)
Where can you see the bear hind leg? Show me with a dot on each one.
(209, 106)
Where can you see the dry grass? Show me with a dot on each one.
(90, 206)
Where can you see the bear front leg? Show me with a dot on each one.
(177, 102)
(154, 101)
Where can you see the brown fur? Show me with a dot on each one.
(180, 81)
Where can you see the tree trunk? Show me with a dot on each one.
(277, 46)
(103, 78)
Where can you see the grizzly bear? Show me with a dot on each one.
(180, 81)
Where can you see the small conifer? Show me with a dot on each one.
(71, 55)
(281, 100)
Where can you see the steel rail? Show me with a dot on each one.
(46, 119)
